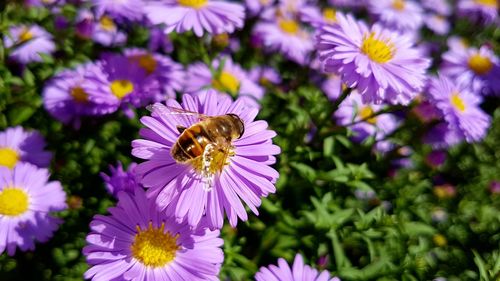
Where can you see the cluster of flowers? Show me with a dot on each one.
(171, 230)
(27, 198)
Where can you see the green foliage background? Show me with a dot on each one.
(392, 236)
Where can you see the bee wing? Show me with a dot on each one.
(162, 109)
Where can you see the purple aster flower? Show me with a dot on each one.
(382, 65)
(237, 171)
(436, 158)
(27, 200)
(64, 96)
(255, 7)
(348, 3)
(121, 180)
(402, 15)
(131, 10)
(168, 73)
(495, 187)
(211, 16)
(158, 40)
(232, 79)
(478, 69)
(441, 7)
(18, 145)
(352, 110)
(28, 42)
(106, 32)
(136, 242)
(84, 24)
(265, 75)
(442, 136)
(437, 23)
(460, 109)
(332, 86)
(286, 36)
(120, 83)
(298, 272)
(482, 11)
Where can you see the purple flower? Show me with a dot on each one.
(28, 42)
(121, 180)
(460, 109)
(120, 83)
(477, 69)
(255, 7)
(18, 145)
(211, 16)
(482, 11)
(348, 3)
(332, 86)
(437, 23)
(65, 98)
(136, 242)
(168, 73)
(442, 136)
(26, 202)
(232, 79)
(298, 272)
(402, 15)
(131, 10)
(238, 171)
(286, 36)
(265, 75)
(441, 7)
(436, 158)
(84, 23)
(382, 65)
(495, 187)
(316, 18)
(106, 32)
(158, 40)
(352, 110)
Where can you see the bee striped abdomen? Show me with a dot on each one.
(191, 143)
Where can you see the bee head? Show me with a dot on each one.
(240, 126)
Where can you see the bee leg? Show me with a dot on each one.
(205, 167)
(180, 129)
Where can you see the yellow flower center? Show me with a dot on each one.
(226, 82)
(193, 3)
(330, 15)
(217, 159)
(107, 23)
(398, 5)
(8, 157)
(79, 95)
(146, 61)
(380, 51)
(121, 88)
(153, 246)
(457, 102)
(365, 114)
(488, 3)
(288, 26)
(13, 202)
(25, 35)
(479, 64)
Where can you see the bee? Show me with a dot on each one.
(206, 144)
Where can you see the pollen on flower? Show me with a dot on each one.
(457, 102)
(215, 160)
(226, 82)
(488, 3)
(288, 26)
(146, 62)
(365, 113)
(153, 246)
(79, 95)
(398, 5)
(380, 51)
(330, 15)
(25, 35)
(107, 23)
(13, 202)
(121, 88)
(479, 64)
(8, 157)
(193, 3)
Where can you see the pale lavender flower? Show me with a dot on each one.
(402, 15)
(158, 40)
(265, 75)
(18, 145)
(297, 272)
(28, 42)
(137, 242)
(200, 16)
(383, 65)
(106, 32)
(437, 23)
(441, 7)
(188, 192)
(27, 201)
(131, 10)
(121, 180)
(481, 11)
